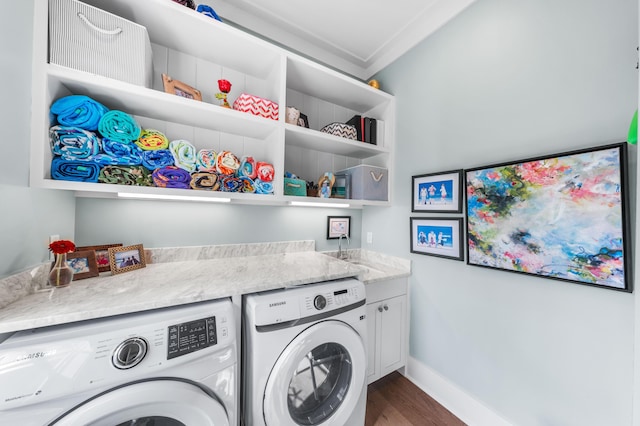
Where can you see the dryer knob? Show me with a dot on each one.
(320, 302)
(129, 353)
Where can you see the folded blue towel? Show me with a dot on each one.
(119, 126)
(157, 159)
(77, 171)
(73, 143)
(118, 154)
(78, 111)
(263, 187)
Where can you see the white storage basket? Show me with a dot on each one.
(89, 39)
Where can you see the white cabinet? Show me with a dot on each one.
(387, 324)
(198, 50)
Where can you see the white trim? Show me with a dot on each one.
(461, 404)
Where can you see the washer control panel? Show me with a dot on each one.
(332, 299)
(191, 336)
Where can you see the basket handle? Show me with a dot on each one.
(117, 31)
(294, 185)
(377, 179)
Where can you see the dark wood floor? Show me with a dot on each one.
(395, 401)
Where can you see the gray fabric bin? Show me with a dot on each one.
(368, 182)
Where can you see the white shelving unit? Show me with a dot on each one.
(198, 50)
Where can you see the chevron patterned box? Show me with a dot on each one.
(256, 106)
(342, 130)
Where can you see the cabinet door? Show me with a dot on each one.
(373, 335)
(392, 334)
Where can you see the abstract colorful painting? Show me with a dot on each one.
(562, 217)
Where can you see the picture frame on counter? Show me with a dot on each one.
(338, 225)
(437, 192)
(437, 236)
(126, 258)
(178, 88)
(562, 216)
(83, 263)
(101, 254)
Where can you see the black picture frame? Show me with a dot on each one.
(437, 236)
(439, 192)
(338, 225)
(561, 216)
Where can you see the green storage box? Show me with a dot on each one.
(295, 187)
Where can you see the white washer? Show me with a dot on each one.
(168, 367)
(304, 359)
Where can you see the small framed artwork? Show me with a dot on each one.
(338, 225)
(126, 258)
(303, 121)
(102, 255)
(438, 236)
(562, 216)
(181, 89)
(437, 192)
(83, 263)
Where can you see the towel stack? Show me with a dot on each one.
(91, 143)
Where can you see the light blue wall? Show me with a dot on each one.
(27, 216)
(171, 224)
(508, 80)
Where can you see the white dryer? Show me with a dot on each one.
(304, 358)
(167, 367)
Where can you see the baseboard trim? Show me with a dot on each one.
(461, 404)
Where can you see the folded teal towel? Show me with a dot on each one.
(119, 126)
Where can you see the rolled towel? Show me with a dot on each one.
(265, 171)
(151, 139)
(119, 126)
(171, 177)
(78, 111)
(227, 163)
(184, 154)
(205, 180)
(125, 175)
(77, 171)
(230, 184)
(263, 187)
(248, 185)
(157, 159)
(248, 168)
(118, 154)
(73, 143)
(206, 160)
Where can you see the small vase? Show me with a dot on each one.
(61, 273)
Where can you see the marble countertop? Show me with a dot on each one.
(172, 283)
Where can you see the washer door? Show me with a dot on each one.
(158, 402)
(318, 378)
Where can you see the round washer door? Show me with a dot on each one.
(318, 378)
(160, 402)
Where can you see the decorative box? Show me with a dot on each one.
(89, 39)
(368, 182)
(342, 130)
(256, 106)
(295, 187)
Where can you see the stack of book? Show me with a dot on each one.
(367, 128)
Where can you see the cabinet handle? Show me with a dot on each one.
(377, 179)
(380, 308)
(386, 308)
(118, 30)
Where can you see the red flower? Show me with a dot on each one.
(224, 86)
(62, 246)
